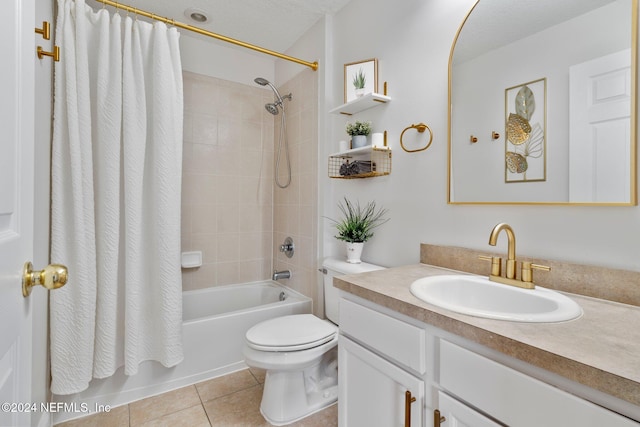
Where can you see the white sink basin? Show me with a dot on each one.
(478, 296)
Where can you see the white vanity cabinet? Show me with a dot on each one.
(454, 413)
(514, 398)
(382, 357)
(375, 392)
(379, 385)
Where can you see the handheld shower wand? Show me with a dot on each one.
(264, 82)
(272, 108)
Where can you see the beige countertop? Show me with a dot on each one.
(601, 349)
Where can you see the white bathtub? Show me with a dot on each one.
(215, 322)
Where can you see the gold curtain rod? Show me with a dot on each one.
(312, 65)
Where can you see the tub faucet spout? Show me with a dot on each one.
(284, 274)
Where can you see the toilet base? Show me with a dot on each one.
(289, 396)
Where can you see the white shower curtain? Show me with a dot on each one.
(116, 178)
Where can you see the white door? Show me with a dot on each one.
(599, 134)
(373, 391)
(16, 206)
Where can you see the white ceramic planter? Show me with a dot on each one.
(358, 141)
(354, 252)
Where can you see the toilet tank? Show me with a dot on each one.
(338, 267)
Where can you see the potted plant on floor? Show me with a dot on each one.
(356, 226)
(358, 131)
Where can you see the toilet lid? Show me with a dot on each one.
(290, 333)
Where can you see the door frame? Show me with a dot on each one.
(43, 86)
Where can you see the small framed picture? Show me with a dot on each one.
(360, 78)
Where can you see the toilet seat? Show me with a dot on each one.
(290, 333)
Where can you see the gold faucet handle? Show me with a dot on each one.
(527, 270)
(496, 264)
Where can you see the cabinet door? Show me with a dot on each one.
(372, 391)
(458, 414)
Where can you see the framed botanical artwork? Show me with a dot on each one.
(360, 78)
(526, 130)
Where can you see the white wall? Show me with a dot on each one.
(210, 57)
(310, 47)
(412, 41)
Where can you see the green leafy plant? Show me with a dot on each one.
(359, 79)
(358, 128)
(358, 222)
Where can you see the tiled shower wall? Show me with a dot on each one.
(296, 207)
(227, 188)
(231, 209)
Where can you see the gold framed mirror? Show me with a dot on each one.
(543, 103)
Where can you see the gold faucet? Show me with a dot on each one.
(511, 248)
(526, 275)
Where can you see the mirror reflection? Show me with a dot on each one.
(542, 98)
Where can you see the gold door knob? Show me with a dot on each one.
(53, 276)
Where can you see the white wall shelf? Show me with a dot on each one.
(365, 102)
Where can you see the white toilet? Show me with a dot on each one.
(300, 354)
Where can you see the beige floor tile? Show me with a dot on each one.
(157, 406)
(190, 417)
(227, 384)
(234, 402)
(116, 417)
(259, 374)
(240, 409)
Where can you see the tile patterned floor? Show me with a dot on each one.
(229, 401)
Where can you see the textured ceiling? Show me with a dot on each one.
(272, 24)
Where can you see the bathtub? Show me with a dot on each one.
(215, 321)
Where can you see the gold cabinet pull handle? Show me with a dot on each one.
(408, 400)
(437, 418)
(53, 276)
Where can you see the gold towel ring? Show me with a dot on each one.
(420, 127)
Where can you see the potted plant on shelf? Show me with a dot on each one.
(356, 226)
(358, 131)
(359, 80)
